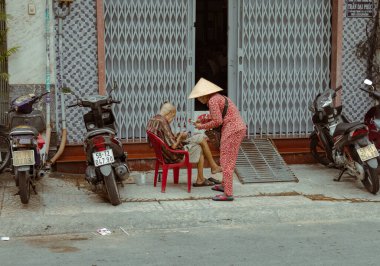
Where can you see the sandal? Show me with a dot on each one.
(223, 198)
(205, 183)
(215, 181)
(218, 188)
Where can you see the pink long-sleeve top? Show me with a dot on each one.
(232, 121)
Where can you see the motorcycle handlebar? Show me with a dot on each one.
(373, 94)
(365, 90)
(42, 95)
(80, 104)
(73, 105)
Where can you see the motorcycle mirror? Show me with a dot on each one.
(114, 87)
(368, 82)
(311, 107)
(66, 90)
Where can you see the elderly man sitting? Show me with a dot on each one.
(196, 145)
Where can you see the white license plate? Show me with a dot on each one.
(367, 152)
(24, 157)
(103, 157)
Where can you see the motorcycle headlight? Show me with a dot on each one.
(327, 102)
(325, 99)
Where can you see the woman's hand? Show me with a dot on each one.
(197, 125)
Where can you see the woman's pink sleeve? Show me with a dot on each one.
(215, 114)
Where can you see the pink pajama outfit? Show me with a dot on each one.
(233, 131)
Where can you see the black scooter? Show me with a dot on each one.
(26, 125)
(106, 159)
(335, 142)
(372, 117)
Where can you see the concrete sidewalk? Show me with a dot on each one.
(66, 203)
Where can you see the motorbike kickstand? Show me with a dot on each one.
(340, 175)
(34, 187)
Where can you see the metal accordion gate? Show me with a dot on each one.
(149, 48)
(283, 53)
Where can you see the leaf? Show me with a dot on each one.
(4, 76)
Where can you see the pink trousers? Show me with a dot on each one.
(229, 149)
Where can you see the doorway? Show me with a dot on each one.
(211, 44)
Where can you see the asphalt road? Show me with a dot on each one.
(313, 222)
(311, 243)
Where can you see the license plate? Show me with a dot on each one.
(367, 152)
(24, 157)
(103, 157)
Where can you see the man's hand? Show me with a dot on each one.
(182, 136)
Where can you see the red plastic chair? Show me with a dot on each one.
(158, 144)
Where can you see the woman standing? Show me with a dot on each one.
(233, 131)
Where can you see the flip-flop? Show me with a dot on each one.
(205, 183)
(215, 181)
(223, 198)
(218, 188)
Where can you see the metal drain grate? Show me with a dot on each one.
(259, 161)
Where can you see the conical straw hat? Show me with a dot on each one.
(202, 88)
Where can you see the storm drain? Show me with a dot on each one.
(259, 162)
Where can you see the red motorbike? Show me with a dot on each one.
(372, 117)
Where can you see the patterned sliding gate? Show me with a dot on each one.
(284, 60)
(149, 55)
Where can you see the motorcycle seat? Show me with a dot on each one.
(99, 132)
(343, 128)
(23, 130)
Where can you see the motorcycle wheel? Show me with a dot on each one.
(371, 180)
(112, 190)
(24, 186)
(318, 150)
(5, 151)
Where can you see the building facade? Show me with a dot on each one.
(271, 57)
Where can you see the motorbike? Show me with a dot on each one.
(337, 142)
(106, 159)
(26, 125)
(372, 117)
(5, 148)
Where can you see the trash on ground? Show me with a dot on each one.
(103, 231)
(4, 238)
(122, 229)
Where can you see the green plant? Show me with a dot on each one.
(5, 52)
